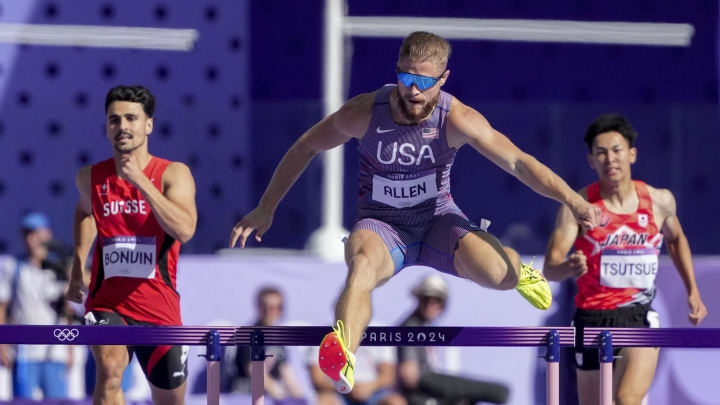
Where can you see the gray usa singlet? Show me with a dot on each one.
(404, 190)
(404, 169)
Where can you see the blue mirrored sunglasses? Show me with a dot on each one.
(422, 82)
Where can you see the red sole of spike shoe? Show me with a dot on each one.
(332, 357)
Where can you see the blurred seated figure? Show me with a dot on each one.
(280, 381)
(418, 372)
(31, 292)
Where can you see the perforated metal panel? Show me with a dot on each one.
(52, 112)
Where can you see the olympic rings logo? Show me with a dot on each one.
(64, 335)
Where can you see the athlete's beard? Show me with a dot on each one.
(424, 113)
(127, 149)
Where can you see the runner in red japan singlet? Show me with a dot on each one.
(134, 266)
(615, 263)
(622, 255)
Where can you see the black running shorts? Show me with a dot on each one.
(164, 366)
(636, 316)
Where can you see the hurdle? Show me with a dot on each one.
(258, 338)
(608, 338)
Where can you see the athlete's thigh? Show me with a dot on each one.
(441, 241)
(588, 386)
(164, 366)
(173, 396)
(382, 245)
(480, 257)
(635, 369)
(109, 358)
(377, 263)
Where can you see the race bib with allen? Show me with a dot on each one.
(404, 193)
(628, 268)
(129, 256)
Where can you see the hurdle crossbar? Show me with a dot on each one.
(414, 336)
(279, 335)
(113, 335)
(259, 337)
(655, 337)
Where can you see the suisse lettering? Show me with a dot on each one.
(125, 207)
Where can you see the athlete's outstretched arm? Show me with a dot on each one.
(679, 250)
(84, 232)
(465, 125)
(558, 265)
(350, 121)
(174, 206)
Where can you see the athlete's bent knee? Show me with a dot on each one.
(362, 274)
(109, 372)
(108, 380)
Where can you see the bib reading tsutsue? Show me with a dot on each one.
(628, 268)
(129, 256)
(622, 255)
(134, 266)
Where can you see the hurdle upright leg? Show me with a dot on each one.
(212, 355)
(257, 368)
(605, 356)
(552, 360)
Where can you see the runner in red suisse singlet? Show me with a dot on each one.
(622, 255)
(134, 266)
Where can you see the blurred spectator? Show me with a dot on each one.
(31, 293)
(280, 382)
(418, 374)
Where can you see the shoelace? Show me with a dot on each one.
(344, 337)
(340, 330)
(528, 272)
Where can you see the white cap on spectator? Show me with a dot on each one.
(431, 286)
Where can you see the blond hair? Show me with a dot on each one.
(421, 46)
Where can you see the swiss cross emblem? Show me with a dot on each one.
(643, 220)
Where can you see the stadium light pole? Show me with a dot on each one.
(326, 242)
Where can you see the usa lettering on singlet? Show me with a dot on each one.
(134, 267)
(403, 166)
(622, 255)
